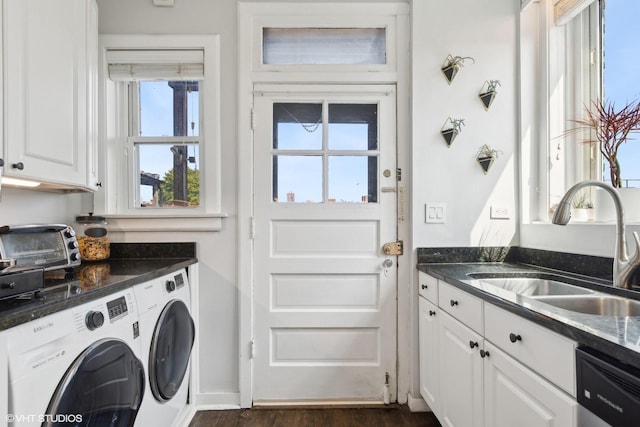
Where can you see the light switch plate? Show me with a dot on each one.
(435, 213)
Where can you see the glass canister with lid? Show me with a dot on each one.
(93, 237)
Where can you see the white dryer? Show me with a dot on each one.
(79, 366)
(167, 334)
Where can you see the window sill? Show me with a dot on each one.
(121, 223)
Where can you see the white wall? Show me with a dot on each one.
(217, 251)
(486, 31)
(19, 206)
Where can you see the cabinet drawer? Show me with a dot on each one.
(549, 354)
(461, 305)
(428, 287)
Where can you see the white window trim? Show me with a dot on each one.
(112, 200)
(549, 102)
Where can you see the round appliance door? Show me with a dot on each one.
(103, 387)
(170, 350)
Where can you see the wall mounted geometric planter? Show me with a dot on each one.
(485, 157)
(452, 65)
(450, 129)
(488, 93)
(486, 163)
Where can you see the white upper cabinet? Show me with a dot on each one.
(49, 103)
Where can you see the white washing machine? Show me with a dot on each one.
(167, 333)
(80, 366)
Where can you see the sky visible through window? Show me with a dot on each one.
(622, 73)
(156, 119)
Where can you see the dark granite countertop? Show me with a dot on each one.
(616, 336)
(129, 265)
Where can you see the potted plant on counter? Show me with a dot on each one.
(582, 208)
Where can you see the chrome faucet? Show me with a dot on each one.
(623, 267)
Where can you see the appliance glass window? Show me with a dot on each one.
(170, 350)
(34, 248)
(103, 387)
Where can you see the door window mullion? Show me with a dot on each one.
(325, 149)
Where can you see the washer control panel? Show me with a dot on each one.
(117, 308)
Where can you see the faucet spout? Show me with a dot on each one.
(623, 266)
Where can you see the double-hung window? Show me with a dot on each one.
(162, 143)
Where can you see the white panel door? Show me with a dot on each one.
(325, 204)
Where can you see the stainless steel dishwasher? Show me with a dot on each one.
(608, 390)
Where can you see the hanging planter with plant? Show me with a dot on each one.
(488, 93)
(452, 65)
(451, 129)
(486, 156)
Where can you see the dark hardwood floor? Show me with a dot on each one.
(394, 416)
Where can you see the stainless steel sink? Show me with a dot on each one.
(530, 286)
(601, 305)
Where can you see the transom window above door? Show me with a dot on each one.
(324, 46)
(325, 153)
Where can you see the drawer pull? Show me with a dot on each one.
(19, 166)
(453, 302)
(473, 344)
(484, 354)
(513, 337)
(424, 286)
(432, 313)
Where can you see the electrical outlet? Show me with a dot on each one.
(435, 213)
(163, 3)
(500, 212)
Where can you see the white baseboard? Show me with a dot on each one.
(417, 404)
(215, 401)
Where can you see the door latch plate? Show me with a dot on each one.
(393, 248)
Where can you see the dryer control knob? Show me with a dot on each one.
(94, 320)
(170, 285)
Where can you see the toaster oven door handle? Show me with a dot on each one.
(5, 229)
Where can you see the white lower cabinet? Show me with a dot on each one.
(516, 396)
(429, 319)
(460, 374)
(469, 381)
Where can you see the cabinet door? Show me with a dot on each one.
(45, 86)
(93, 180)
(428, 327)
(460, 374)
(516, 396)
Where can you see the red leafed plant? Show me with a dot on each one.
(610, 128)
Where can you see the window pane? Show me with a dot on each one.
(297, 126)
(353, 179)
(353, 127)
(621, 73)
(169, 108)
(324, 46)
(297, 179)
(169, 175)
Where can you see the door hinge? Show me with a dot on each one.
(252, 349)
(253, 119)
(252, 228)
(393, 248)
(398, 174)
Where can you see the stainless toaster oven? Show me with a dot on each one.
(46, 246)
